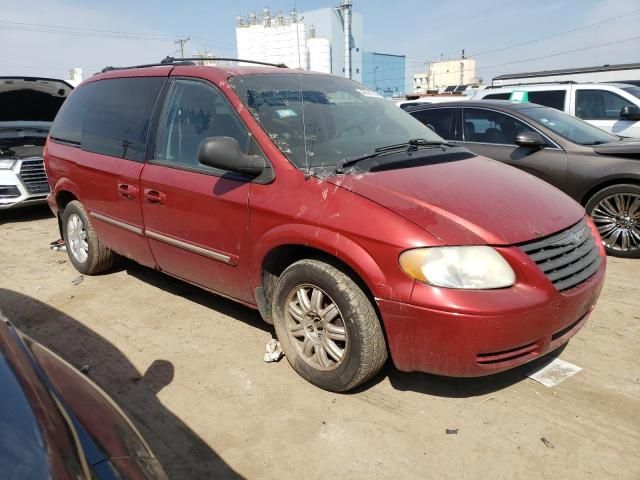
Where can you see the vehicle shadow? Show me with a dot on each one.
(25, 214)
(195, 294)
(182, 453)
(452, 387)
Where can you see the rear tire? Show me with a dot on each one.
(85, 251)
(327, 326)
(616, 212)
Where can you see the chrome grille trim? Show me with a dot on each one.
(567, 258)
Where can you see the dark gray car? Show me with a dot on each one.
(599, 170)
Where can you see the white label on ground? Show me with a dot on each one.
(554, 373)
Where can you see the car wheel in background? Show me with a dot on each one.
(327, 326)
(85, 251)
(616, 212)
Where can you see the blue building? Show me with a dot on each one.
(384, 73)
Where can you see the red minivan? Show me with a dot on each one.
(354, 229)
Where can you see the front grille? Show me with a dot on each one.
(8, 191)
(567, 258)
(33, 175)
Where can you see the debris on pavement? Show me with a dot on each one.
(554, 373)
(274, 351)
(58, 245)
(78, 280)
(452, 431)
(546, 442)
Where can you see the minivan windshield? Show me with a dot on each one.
(321, 120)
(571, 128)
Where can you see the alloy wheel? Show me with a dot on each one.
(618, 220)
(77, 238)
(316, 327)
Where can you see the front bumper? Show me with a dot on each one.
(477, 333)
(24, 184)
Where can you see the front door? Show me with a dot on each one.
(197, 217)
(601, 108)
(492, 134)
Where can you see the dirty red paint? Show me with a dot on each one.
(366, 221)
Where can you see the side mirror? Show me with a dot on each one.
(224, 153)
(630, 112)
(530, 140)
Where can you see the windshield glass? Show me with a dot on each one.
(571, 128)
(633, 90)
(319, 120)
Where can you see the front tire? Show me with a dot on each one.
(85, 251)
(327, 326)
(615, 211)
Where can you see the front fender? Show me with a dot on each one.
(328, 241)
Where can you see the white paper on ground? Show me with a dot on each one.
(554, 373)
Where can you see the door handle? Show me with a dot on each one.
(153, 196)
(128, 191)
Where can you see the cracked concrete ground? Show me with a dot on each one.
(187, 366)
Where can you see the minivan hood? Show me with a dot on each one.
(624, 148)
(473, 201)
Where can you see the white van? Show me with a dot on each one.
(613, 107)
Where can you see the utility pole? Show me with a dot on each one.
(181, 42)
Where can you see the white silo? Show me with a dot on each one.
(319, 54)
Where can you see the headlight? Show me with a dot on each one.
(475, 268)
(7, 164)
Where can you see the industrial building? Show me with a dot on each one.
(384, 73)
(323, 40)
(446, 73)
(328, 40)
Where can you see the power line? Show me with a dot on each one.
(181, 42)
(535, 40)
(554, 35)
(529, 59)
(94, 32)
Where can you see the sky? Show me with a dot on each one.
(423, 30)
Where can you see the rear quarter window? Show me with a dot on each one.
(497, 96)
(549, 98)
(109, 117)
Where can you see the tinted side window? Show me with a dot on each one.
(599, 105)
(488, 126)
(549, 98)
(110, 117)
(497, 96)
(194, 111)
(67, 126)
(439, 119)
(117, 120)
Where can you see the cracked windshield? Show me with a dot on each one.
(318, 120)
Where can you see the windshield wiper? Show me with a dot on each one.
(410, 146)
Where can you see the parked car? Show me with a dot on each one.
(612, 107)
(348, 224)
(597, 169)
(28, 105)
(56, 423)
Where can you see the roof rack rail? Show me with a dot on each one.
(171, 60)
(192, 61)
(557, 82)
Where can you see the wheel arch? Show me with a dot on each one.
(287, 244)
(610, 182)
